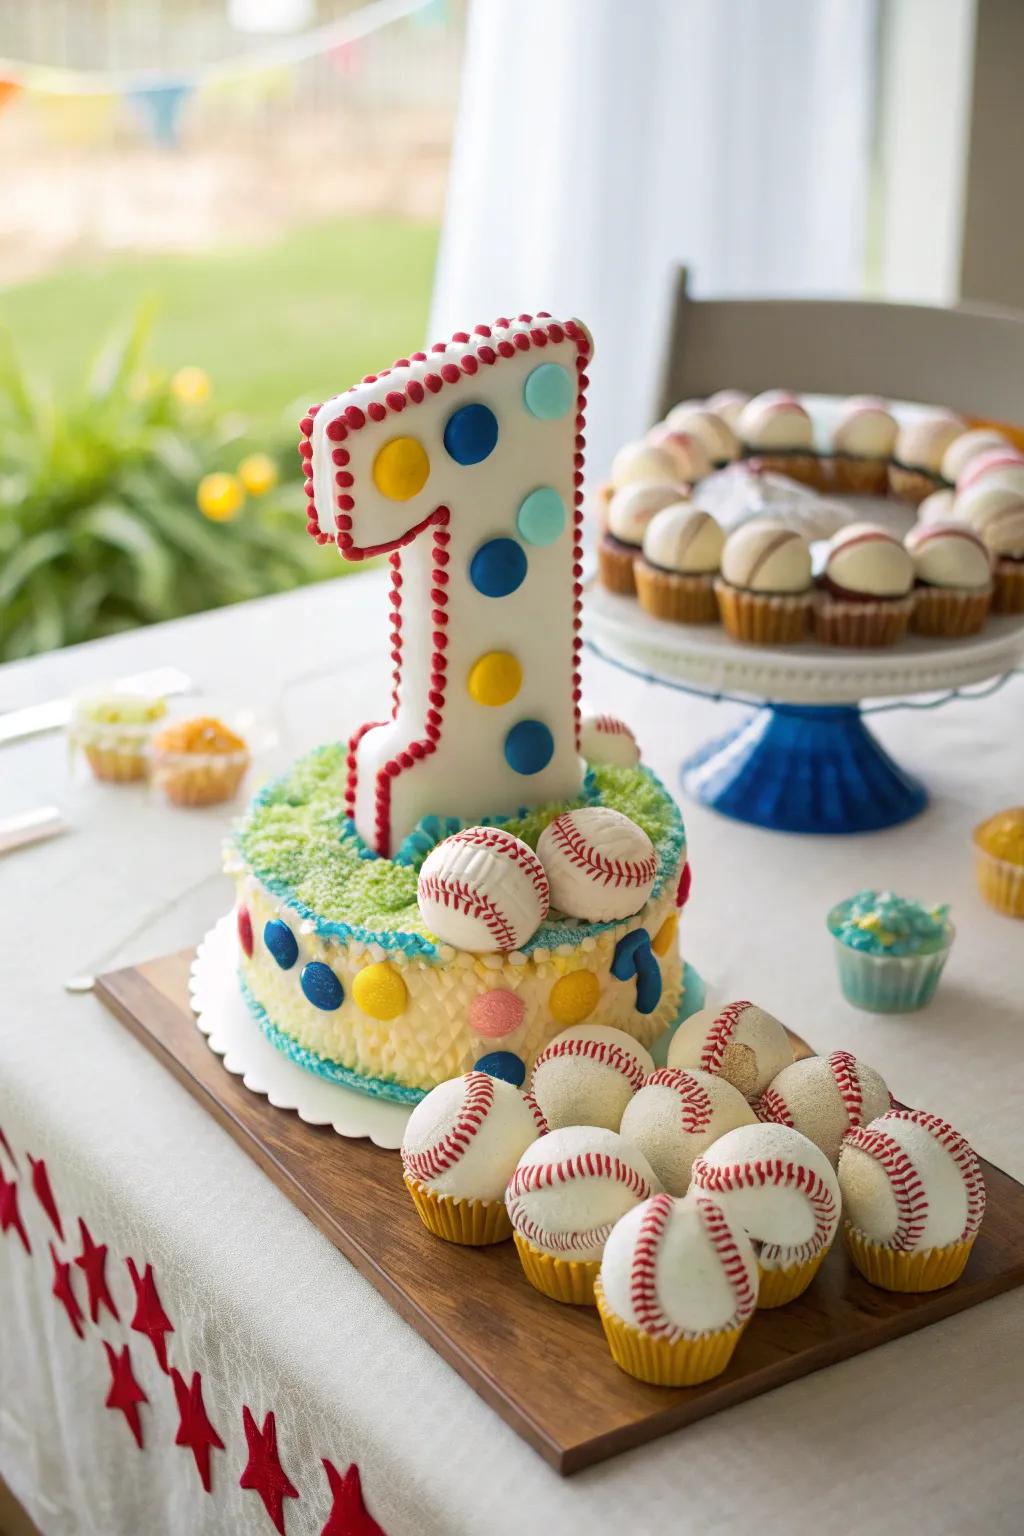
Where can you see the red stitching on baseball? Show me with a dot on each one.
(843, 1067)
(460, 897)
(963, 1155)
(515, 850)
(904, 1180)
(608, 1054)
(694, 1101)
(719, 1035)
(775, 1173)
(583, 855)
(610, 725)
(736, 1272)
(431, 1162)
(771, 1106)
(643, 1280)
(529, 1177)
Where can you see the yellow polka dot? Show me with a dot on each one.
(401, 468)
(495, 678)
(666, 935)
(380, 992)
(574, 997)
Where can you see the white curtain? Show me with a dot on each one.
(599, 142)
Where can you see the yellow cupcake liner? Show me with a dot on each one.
(776, 1287)
(1008, 596)
(893, 1270)
(662, 1362)
(764, 618)
(115, 765)
(672, 595)
(568, 1280)
(1000, 882)
(473, 1223)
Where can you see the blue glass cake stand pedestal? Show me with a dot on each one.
(804, 759)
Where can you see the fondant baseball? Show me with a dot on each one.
(740, 1042)
(571, 1187)
(587, 1076)
(632, 507)
(643, 461)
(483, 890)
(687, 450)
(868, 560)
(600, 865)
(718, 437)
(784, 1191)
(676, 1115)
(914, 1198)
(823, 1097)
(606, 739)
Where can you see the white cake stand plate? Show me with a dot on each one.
(804, 760)
(233, 1034)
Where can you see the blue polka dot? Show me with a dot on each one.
(548, 392)
(498, 567)
(504, 1064)
(470, 433)
(541, 516)
(634, 957)
(529, 746)
(321, 986)
(280, 940)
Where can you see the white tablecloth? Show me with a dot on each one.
(924, 1434)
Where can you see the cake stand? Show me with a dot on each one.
(804, 760)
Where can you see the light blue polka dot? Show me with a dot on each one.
(541, 516)
(529, 747)
(549, 391)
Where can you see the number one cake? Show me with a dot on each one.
(396, 922)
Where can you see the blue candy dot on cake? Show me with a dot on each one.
(635, 957)
(549, 391)
(504, 1064)
(470, 433)
(280, 940)
(541, 516)
(529, 746)
(498, 567)
(321, 986)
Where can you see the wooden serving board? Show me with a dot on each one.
(543, 1367)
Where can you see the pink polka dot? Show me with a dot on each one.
(496, 1013)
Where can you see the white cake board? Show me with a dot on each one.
(233, 1034)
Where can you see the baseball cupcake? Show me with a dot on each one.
(677, 1287)
(563, 1200)
(719, 439)
(676, 1115)
(587, 1076)
(776, 430)
(675, 577)
(740, 1042)
(460, 1148)
(764, 591)
(921, 444)
(783, 1190)
(862, 443)
(629, 511)
(996, 513)
(939, 507)
(689, 454)
(643, 463)
(865, 592)
(913, 1197)
(953, 579)
(822, 1097)
(729, 404)
(965, 448)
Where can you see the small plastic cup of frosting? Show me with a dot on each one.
(890, 950)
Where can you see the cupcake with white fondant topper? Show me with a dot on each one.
(629, 511)
(675, 576)
(865, 593)
(764, 591)
(862, 443)
(965, 448)
(740, 1042)
(713, 430)
(676, 1114)
(939, 507)
(913, 1199)
(953, 579)
(776, 430)
(823, 1097)
(461, 1146)
(689, 454)
(782, 1188)
(921, 445)
(677, 1287)
(990, 498)
(729, 404)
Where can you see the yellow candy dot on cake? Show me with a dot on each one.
(380, 992)
(494, 678)
(401, 468)
(666, 935)
(574, 997)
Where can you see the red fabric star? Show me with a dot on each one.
(44, 1194)
(8, 1148)
(92, 1261)
(264, 1473)
(125, 1392)
(64, 1292)
(195, 1429)
(10, 1215)
(349, 1515)
(150, 1318)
